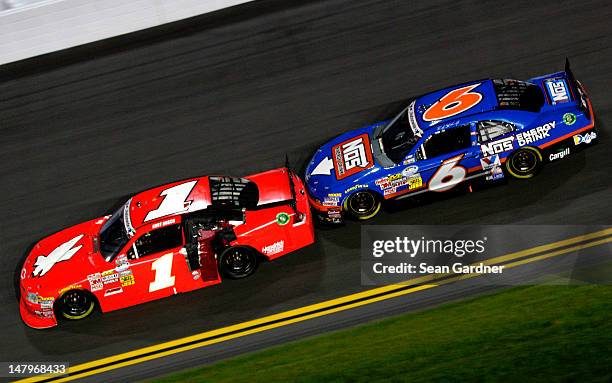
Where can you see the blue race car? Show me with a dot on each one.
(482, 130)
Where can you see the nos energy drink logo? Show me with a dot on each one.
(557, 90)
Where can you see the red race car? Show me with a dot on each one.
(167, 240)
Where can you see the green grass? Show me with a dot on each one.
(536, 333)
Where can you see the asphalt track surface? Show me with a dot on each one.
(236, 91)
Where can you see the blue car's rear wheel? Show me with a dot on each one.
(524, 163)
(363, 204)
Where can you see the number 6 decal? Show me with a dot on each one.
(163, 273)
(448, 175)
(454, 102)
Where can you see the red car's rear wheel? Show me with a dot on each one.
(238, 262)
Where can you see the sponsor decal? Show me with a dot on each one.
(110, 278)
(334, 214)
(569, 118)
(412, 120)
(274, 248)
(63, 252)
(44, 313)
(584, 139)
(409, 160)
(490, 162)
(493, 165)
(559, 155)
(497, 147)
(95, 281)
(126, 272)
(196, 275)
(496, 174)
(46, 302)
(352, 156)
(166, 222)
(127, 280)
(391, 183)
(127, 219)
(410, 171)
(282, 218)
(113, 291)
(71, 287)
(332, 199)
(355, 187)
(535, 134)
(557, 89)
(121, 263)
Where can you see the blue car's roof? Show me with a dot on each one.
(487, 103)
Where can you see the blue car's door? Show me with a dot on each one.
(449, 157)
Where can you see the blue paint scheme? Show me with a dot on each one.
(330, 191)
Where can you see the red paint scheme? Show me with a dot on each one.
(127, 282)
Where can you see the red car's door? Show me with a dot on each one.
(158, 265)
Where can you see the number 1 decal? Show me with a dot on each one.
(454, 102)
(175, 201)
(448, 175)
(163, 273)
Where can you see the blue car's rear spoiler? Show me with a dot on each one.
(580, 96)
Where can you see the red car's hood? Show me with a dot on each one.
(63, 258)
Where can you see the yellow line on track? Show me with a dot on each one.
(319, 309)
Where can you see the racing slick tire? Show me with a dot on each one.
(363, 204)
(76, 304)
(238, 262)
(524, 163)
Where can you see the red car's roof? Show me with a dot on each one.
(168, 200)
(186, 196)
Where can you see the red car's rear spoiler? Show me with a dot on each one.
(293, 203)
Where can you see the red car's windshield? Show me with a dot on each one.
(113, 235)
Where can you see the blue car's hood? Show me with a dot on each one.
(341, 162)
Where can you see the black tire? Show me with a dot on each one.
(76, 304)
(363, 204)
(238, 262)
(524, 163)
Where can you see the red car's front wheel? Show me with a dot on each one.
(76, 304)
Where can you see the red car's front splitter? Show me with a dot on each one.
(33, 320)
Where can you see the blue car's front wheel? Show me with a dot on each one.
(363, 204)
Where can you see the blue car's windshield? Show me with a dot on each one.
(397, 138)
